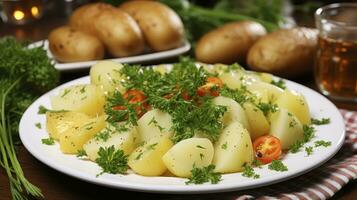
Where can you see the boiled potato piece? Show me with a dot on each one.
(146, 160)
(234, 113)
(296, 104)
(110, 136)
(83, 18)
(233, 149)
(231, 79)
(259, 125)
(154, 123)
(286, 52)
(119, 32)
(58, 123)
(267, 92)
(106, 74)
(187, 153)
(73, 139)
(161, 26)
(71, 45)
(87, 99)
(229, 43)
(287, 127)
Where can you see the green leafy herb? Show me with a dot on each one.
(267, 108)
(48, 141)
(42, 110)
(81, 153)
(224, 146)
(280, 83)
(257, 163)
(65, 92)
(152, 146)
(309, 150)
(203, 175)
(103, 135)
(156, 124)
(199, 146)
(309, 133)
(38, 125)
(322, 121)
(139, 156)
(322, 143)
(112, 161)
(277, 165)
(249, 172)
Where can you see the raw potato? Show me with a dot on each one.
(83, 18)
(187, 153)
(259, 124)
(58, 123)
(87, 99)
(119, 32)
(106, 75)
(146, 160)
(73, 140)
(229, 43)
(287, 127)
(154, 123)
(161, 26)
(71, 45)
(234, 113)
(120, 140)
(296, 104)
(233, 149)
(286, 52)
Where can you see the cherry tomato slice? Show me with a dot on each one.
(212, 86)
(267, 148)
(133, 97)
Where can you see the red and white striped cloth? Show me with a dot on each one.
(323, 182)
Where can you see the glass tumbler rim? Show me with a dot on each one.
(320, 11)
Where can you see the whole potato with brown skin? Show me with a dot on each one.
(83, 18)
(286, 52)
(70, 45)
(229, 43)
(161, 26)
(119, 32)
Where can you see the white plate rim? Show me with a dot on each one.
(107, 180)
(152, 56)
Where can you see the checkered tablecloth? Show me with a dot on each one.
(323, 182)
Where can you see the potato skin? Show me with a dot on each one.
(229, 43)
(286, 53)
(161, 26)
(83, 17)
(71, 45)
(119, 32)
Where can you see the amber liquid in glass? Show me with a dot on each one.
(336, 68)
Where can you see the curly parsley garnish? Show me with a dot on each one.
(112, 161)
(322, 121)
(48, 141)
(280, 83)
(309, 150)
(38, 125)
(309, 133)
(203, 175)
(81, 153)
(277, 165)
(249, 172)
(322, 143)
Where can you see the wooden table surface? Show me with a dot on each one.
(57, 186)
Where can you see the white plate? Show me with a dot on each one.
(298, 163)
(132, 59)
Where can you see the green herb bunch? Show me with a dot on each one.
(25, 75)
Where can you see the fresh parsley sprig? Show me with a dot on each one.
(277, 165)
(203, 175)
(249, 172)
(322, 121)
(112, 161)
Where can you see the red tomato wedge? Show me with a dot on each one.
(267, 148)
(133, 97)
(212, 86)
